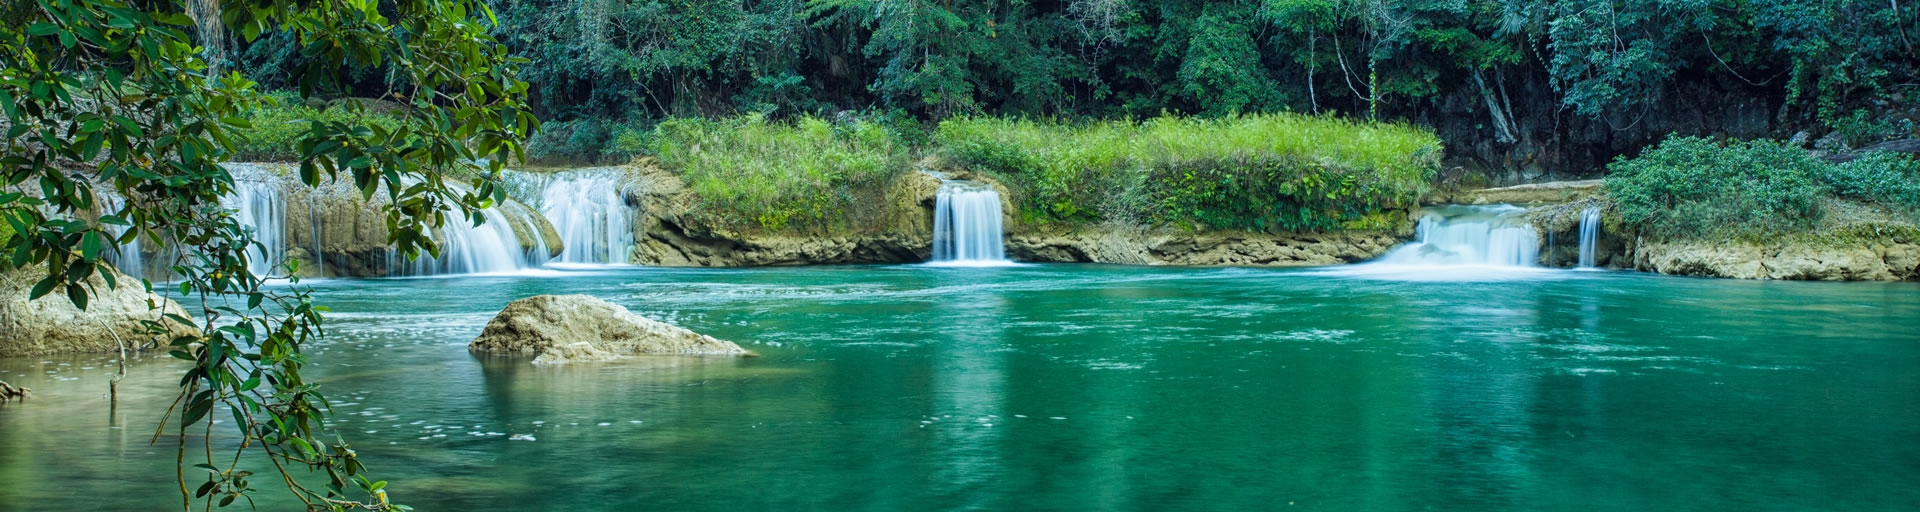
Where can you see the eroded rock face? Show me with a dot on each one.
(1534, 193)
(52, 325)
(555, 326)
(1143, 247)
(1796, 261)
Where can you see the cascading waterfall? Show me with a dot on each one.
(260, 206)
(1589, 235)
(1496, 235)
(128, 260)
(966, 225)
(590, 212)
(491, 247)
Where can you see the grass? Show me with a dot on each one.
(800, 174)
(1253, 172)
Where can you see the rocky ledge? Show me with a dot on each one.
(51, 324)
(1533, 193)
(1209, 248)
(1868, 261)
(578, 328)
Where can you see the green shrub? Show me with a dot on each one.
(1690, 187)
(1891, 179)
(1255, 172)
(751, 172)
(279, 123)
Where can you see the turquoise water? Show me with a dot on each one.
(1055, 387)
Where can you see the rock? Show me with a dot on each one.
(554, 327)
(1795, 260)
(582, 352)
(1209, 248)
(52, 325)
(1535, 193)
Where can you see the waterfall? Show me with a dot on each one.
(491, 247)
(1496, 235)
(589, 210)
(128, 258)
(966, 225)
(259, 206)
(1589, 234)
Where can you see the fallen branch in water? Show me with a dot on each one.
(9, 392)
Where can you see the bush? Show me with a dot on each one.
(751, 172)
(1255, 172)
(1690, 187)
(1891, 179)
(586, 141)
(279, 123)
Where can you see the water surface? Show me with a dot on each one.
(1057, 387)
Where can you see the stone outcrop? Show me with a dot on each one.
(1880, 261)
(554, 327)
(1558, 226)
(1535, 193)
(52, 325)
(1212, 248)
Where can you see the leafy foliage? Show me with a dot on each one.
(1891, 179)
(103, 97)
(636, 62)
(1255, 172)
(1693, 187)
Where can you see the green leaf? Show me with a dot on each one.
(44, 287)
(90, 245)
(77, 294)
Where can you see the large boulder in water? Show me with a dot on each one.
(52, 325)
(555, 326)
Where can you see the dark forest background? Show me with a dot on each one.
(1523, 89)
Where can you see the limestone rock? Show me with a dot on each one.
(582, 352)
(553, 326)
(1534, 193)
(1781, 260)
(52, 325)
(1212, 248)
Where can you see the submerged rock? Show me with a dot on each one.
(52, 325)
(556, 326)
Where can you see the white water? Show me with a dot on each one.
(128, 258)
(966, 226)
(490, 248)
(590, 212)
(1589, 235)
(1461, 243)
(259, 206)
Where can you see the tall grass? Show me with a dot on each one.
(1260, 172)
(752, 172)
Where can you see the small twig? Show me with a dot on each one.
(9, 392)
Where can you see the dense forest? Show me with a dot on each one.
(1523, 87)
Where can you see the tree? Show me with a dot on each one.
(128, 98)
